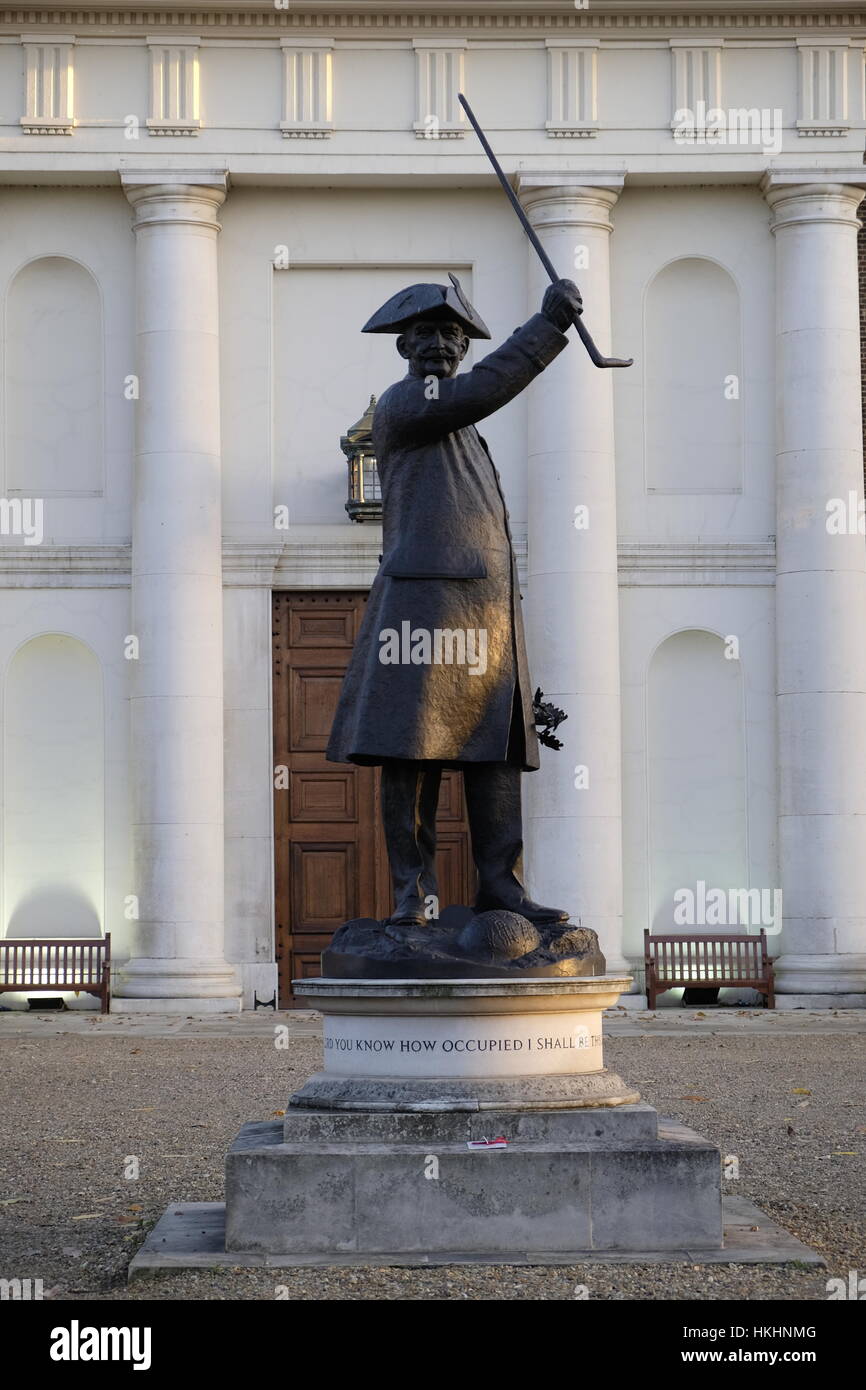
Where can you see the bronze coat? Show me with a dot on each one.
(447, 564)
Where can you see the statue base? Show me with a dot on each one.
(465, 1121)
(564, 1181)
(384, 1150)
(462, 944)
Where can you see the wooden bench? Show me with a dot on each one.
(709, 961)
(57, 964)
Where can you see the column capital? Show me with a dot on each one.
(796, 199)
(187, 196)
(577, 200)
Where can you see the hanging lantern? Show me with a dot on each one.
(365, 492)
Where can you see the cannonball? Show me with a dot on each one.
(501, 934)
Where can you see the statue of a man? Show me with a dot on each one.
(439, 677)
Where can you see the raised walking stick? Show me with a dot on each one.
(579, 324)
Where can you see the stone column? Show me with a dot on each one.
(176, 706)
(820, 595)
(574, 822)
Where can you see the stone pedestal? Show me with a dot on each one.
(567, 1181)
(377, 1152)
(462, 1044)
(377, 1161)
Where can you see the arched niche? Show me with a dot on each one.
(696, 754)
(54, 772)
(53, 380)
(693, 409)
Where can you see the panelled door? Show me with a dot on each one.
(330, 859)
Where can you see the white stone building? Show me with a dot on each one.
(200, 204)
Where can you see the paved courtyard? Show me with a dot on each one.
(110, 1119)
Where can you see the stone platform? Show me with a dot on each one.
(568, 1180)
(192, 1235)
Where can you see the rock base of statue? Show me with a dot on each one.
(474, 1116)
(462, 944)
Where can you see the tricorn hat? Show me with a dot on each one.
(428, 301)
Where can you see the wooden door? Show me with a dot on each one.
(329, 848)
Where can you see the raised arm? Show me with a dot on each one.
(420, 409)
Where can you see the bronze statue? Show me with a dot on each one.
(439, 674)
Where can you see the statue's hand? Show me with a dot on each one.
(561, 302)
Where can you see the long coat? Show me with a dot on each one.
(447, 566)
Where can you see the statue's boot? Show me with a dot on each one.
(496, 823)
(410, 796)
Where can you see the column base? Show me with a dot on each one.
(632, 1002)
(156, 1005)
(833, 977)
(168, 984)
(821, 1001)
(618, 965)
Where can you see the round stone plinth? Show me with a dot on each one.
(463, 1044)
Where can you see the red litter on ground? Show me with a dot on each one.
(486, 1143)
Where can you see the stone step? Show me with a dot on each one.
(618, 1122)
(598, 1193)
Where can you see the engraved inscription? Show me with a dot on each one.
(576, 1041)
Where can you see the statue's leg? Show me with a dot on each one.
(496, 824)
(410, 796)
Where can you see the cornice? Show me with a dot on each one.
(510, 18)
(344, 556)
(677, 564)
(90, 566)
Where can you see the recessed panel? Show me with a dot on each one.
(313, 703)
(323, 886)
(450, 797)
(323, 796)
(322, 627)
(452, 866)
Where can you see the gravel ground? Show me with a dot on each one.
(789, 1109)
